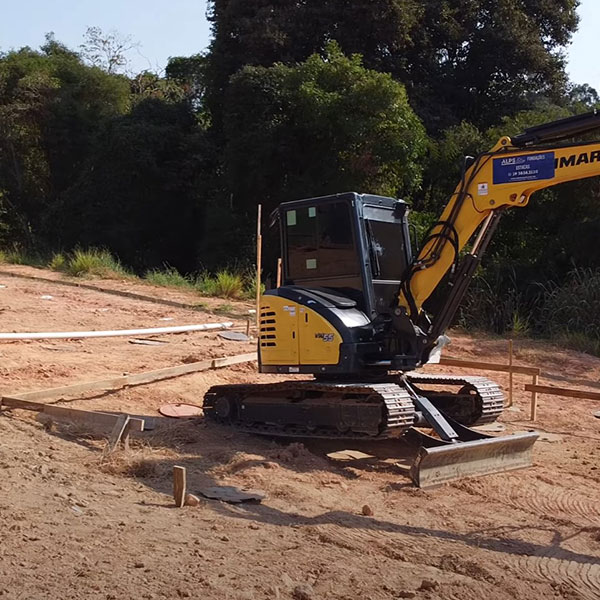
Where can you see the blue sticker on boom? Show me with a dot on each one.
(528, 167)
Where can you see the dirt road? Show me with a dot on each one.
(76, 524)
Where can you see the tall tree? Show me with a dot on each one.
(141, 192)
(51, 107)
(323, 126)
(460, 59)
(107, 50)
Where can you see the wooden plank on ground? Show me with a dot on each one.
(100, 419)
(168, 373)
(146, 377)
(71, 390)
(13, 402)
(473, 364)
(565, 392)
(234, 360)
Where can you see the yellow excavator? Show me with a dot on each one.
(350, 313)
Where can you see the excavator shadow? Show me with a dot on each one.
(393, 455)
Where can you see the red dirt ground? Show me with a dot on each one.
(75, 523)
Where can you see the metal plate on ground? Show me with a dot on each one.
(180, 411)
(234, 336)
(233, 495)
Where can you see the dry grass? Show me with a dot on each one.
(143, 464)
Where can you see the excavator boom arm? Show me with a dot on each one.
(502, 178)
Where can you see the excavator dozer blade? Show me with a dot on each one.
(452, 461)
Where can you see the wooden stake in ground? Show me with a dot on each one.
(533, 410)
(510, 373)
(179, 486)
(258, 264)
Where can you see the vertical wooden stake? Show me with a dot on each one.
(117, 432)
(248, 327)
(533, 411)
(179, 485)
(258, 264)
(510, 373)
(279, 269)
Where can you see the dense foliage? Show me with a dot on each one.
(294, 99)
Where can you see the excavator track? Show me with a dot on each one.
(313, 409)
(477, 402)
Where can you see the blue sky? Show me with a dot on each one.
(179, 27)
(162, 28)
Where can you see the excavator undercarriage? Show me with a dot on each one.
(386, 409)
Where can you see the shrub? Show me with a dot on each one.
(58, 262)
(229, 285)
(94, 261)
(225, 284)
(250, 287)
(18, 256)
(571, 312)
(168, 277)
(488, 307)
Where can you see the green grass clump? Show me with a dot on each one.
(95, 262)
(225, 284)
(58, 262)
(250, 287)
(224, 309)
(168, 277)
(18, 256)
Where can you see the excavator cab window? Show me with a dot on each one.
(320, 242)
(389, 248)
(355, 245)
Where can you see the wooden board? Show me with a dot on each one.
(472, 364)
(218, 363)
(565, 392)
(146, 377)
(71, 390)
(100, 419)
(168, 373)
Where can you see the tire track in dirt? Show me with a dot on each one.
(554, 564)
(540, 498)
(545, 499)
(549, 564)
(405, 547)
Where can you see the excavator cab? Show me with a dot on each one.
(356, 246)
(344, 257)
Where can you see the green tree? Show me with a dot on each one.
(141, 192)
(460, 59)
(324, 126)
(51, 108)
